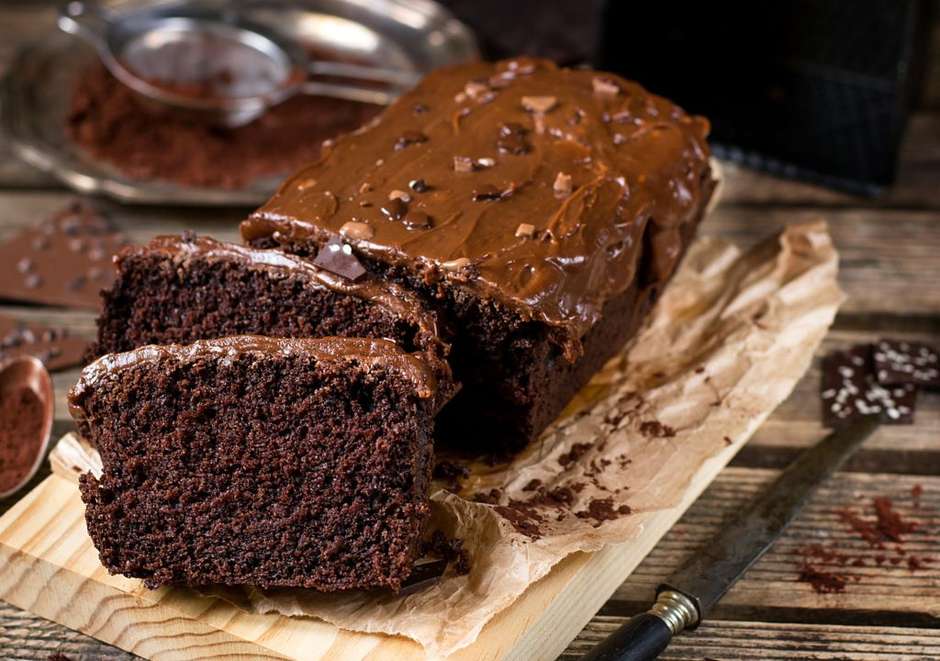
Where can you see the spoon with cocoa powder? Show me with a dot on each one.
(27, 404)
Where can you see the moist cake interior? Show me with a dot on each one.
(154, 302)
(258, 469)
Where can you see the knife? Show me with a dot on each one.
(686, 597)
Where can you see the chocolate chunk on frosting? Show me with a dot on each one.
(637, 167)
(337, 257)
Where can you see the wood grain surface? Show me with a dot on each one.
(890, 249)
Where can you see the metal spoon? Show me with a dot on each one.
(29, 372)
(217, 65)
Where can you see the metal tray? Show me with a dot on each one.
(34, 96)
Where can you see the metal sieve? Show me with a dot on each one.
(216, 64)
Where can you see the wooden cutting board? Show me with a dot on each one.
(50, 567)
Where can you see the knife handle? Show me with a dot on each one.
(645, 636)
(642, 638)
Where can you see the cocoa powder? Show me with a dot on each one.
(21, 422)
(108, 121)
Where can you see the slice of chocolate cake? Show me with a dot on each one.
(178, 289)
(538, 210)
(261, 461)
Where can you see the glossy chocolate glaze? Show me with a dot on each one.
(538, 186)
(364, 352)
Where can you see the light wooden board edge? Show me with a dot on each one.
(51, 569)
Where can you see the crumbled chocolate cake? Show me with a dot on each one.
(259, 461)
(553, 207)
(180, 289)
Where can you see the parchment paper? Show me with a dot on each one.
(723, 347)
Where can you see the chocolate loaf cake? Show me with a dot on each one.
(260, 461)
(539, 211)
(178, 289)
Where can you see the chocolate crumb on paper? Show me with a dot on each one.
(656, 429)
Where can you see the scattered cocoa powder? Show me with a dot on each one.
(916, 492)
(21, 422)
(887, 526)
(823, 582)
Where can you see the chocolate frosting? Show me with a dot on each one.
(533, 184)
(397, 300)
(365, 352)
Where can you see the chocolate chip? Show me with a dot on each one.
(305, 184)
(485, 162)
(365, 188)
(32, 281)
(76, 283)
(338, 258)
(399, 195)
(419, 186)
(25, 265)
(619, 139)
(486, 192)
(356, 230)
(410, 138)
(512, 139)
(394, 209)
(525, 231)
(417, 220)
(70, 225)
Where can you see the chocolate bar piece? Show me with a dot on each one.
(850, 390)
(900, 362)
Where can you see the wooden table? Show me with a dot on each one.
(890, 251)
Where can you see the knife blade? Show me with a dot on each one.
(686, 597)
